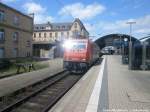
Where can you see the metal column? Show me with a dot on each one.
(144, 66)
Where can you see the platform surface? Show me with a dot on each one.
(121, 90)
(13, 83)
(128, 90)
(78, 98)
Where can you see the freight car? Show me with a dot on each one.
(80, 54)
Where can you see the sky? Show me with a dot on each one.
(100, 17)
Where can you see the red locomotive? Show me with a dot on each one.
(79, 54)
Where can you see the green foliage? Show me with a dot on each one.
(8, 67)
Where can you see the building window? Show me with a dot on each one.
(62, 34)
(15, 36)
(50, 34)
(67, 33)
(28, 54)
(39, 34)
(2, 37)
(16, 20)
(1, 52)
(1, 15)
(34, 35)
(45, 35)
(75, 25)
(28, 43)
(15, 52)
(75, 34)
(56, 34)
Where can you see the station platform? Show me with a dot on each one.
(108, 87)
(84, 96)
(13, 83)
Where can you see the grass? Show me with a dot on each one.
(12, 69)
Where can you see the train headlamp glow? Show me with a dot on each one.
(68, 44)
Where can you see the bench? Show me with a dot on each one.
(25, 66)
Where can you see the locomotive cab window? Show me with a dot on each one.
(79, 46)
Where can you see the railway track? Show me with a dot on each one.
(43, 96)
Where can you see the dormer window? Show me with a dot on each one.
(48, 27)
(58, 27)
(42, 28)
(63, 27)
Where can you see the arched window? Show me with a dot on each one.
(75, 25)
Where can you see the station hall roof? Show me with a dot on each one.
(102, 40)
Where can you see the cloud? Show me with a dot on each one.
(40, 15)
(79, 10)
(140, 29)
(32, 7)
(144, 30)
(142, 23)
(39, 18)
(89, 27)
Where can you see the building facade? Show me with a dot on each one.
(46, 35)
(16, 30)
(50, 32)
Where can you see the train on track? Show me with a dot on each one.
(80, 54)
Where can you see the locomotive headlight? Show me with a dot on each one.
(83, 59)
(68, 44)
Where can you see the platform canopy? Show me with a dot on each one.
(114, 40)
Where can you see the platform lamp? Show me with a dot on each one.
(130, 45)
(125, 41)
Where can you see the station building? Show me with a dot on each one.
(47, 35)
(16, 31)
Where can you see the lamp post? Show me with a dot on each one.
(124, 56)
(125, 41)
(130, 45)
